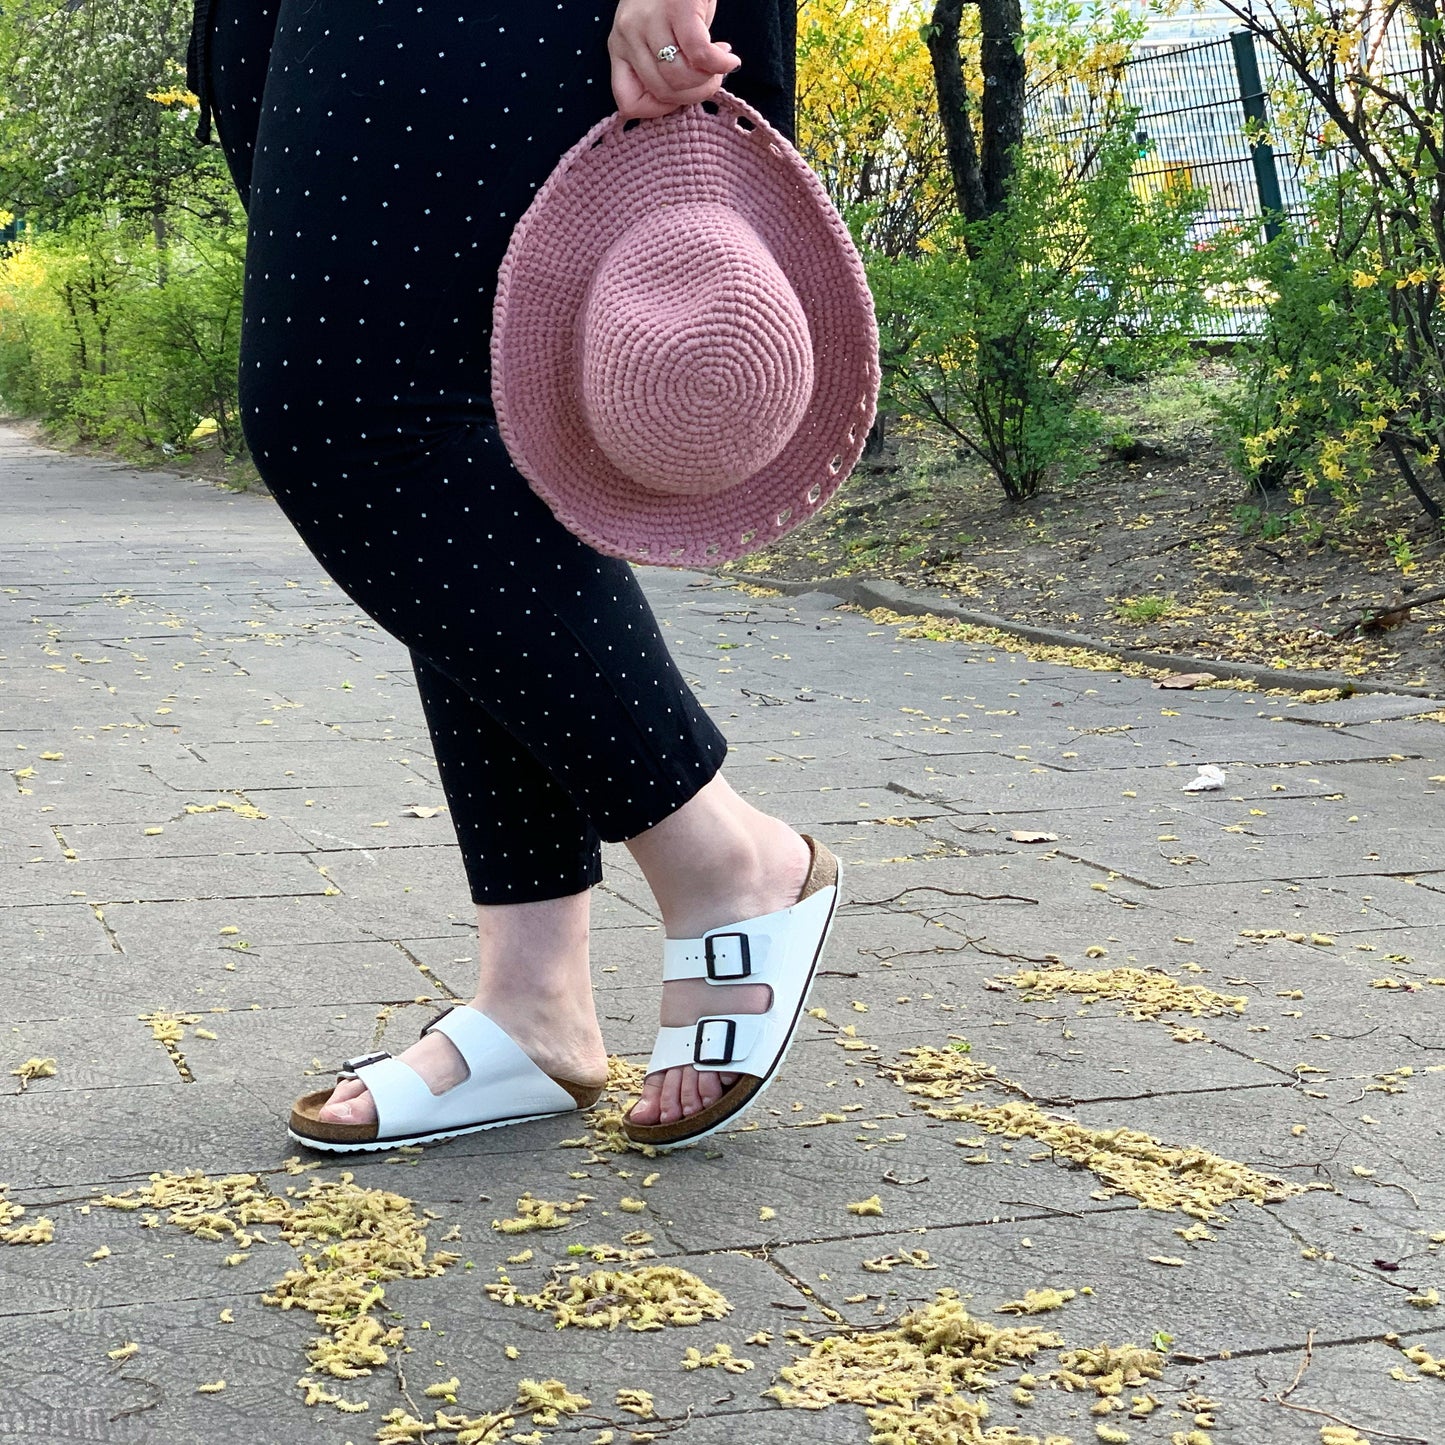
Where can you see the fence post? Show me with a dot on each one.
(1251, 96)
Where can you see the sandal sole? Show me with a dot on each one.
(376, 1146)
(783, 1053)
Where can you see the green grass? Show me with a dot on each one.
(1143, 609)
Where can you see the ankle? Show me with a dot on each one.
(763, 874)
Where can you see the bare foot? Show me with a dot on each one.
(559, 1035)
(773, 883)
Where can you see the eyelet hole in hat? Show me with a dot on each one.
(632, 124)
(743, 123)
(711, 107)
(815, 491)
(784, 515)
(677, 551)
(836, 465)
(713, 549)
(748, 536)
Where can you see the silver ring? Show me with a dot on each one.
(667, 54)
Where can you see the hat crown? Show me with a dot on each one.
(696, 355)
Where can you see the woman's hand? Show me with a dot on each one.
(642, 84)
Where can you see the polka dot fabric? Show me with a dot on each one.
(735, 313)
(384, 151)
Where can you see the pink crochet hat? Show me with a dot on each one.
(684, 351)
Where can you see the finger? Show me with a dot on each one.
(668, 79)
(703, 53)
(631, 96)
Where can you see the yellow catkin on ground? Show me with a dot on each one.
(1127, 1161)
(34, 1069)
(636, 1402)
(1107, 1369)
(541, 1214)
(913, 1378)
(548, 1400)
(1341, 1435)
(720, 1357)
(649, 1298)
(1145, 993)
(399, 1427)
(350, 1242)
(1036, 1302)
(1427, 1363)
(167, 1028)
(225, 805)
(604, 1119)
(941, 1073)
(34, 1231)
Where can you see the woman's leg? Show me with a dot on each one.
(516, 828)
(535, 982)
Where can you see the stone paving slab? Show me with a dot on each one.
(914, 760)
(44, 986)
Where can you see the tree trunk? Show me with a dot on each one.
(963, 162)
(161, 231)
(980, 171)
(1002, 61)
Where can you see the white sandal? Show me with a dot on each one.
(503, 1086)
(779, 949)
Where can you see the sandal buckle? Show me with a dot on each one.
(713, 1041)
(350, 1066)
(727, 969)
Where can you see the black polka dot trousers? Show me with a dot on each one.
(384, 149)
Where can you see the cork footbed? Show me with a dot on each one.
(823, 873)
(306, 1120)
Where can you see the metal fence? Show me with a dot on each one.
(1202, 122)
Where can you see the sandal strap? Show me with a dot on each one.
(502, 1081)
(717, 1042)
(746, 952)
(397, 1090)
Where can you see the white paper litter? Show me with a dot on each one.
(1210, 778)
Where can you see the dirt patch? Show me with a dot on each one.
(204, 462)
(1149, 548)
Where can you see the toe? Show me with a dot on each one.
(671, 1096)
(648, 1107)
(349, 1104)
(689, 1092)
(710, 1087)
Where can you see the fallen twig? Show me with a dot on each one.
(1373, 1431)
(1384, 618)
(1299, 1374)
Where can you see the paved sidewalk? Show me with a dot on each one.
(215, 882)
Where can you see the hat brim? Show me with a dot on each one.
(721, 151)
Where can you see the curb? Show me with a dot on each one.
(897, 598)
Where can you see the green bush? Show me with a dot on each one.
(1334, 376)
(997, 333)
(124, 343)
